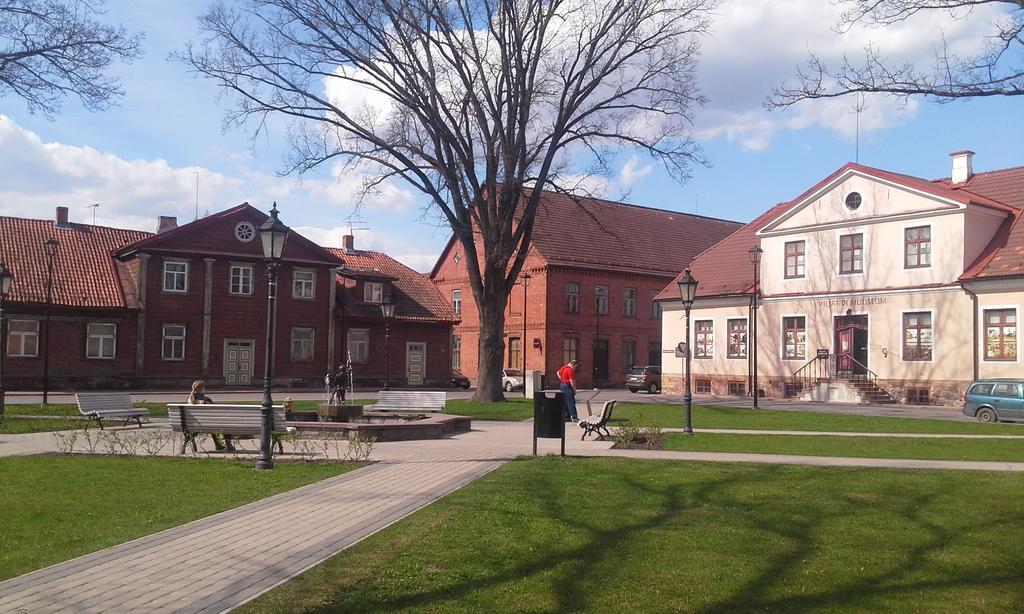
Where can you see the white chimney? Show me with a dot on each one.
(963, 167)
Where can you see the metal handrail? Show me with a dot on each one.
(814, 370)
(868, 376)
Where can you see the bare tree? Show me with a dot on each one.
(50, 49)
(471, 102)
(998, 70)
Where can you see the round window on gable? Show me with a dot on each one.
(245, 232)
(853, 201)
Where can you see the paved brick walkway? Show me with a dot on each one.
(220, 562)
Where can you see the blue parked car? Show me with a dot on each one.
(995, 400)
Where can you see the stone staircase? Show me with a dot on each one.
(870, 393)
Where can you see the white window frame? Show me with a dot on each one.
(21, 336)
(782, 336)
(302, 344)
(693, 342)
(359, 348)
(746, 356)
(982, 339)
(935, 336)
(863, 252)
(629, 303)
(457, 302)
(90, 335)
(164, 338)
(373, 292)
(163, 282)
(240, 268)
(300, 286)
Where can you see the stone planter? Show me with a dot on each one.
(339, 413)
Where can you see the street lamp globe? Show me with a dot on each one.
(273, 234)
(687, 288)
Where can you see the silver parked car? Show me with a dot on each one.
(512, 379)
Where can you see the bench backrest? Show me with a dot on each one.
(229, 419)
(89, 402)
(606, 411)
(419, 400)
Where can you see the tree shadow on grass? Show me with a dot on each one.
(791, 534)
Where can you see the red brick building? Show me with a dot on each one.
(595, 267)
(136, 309)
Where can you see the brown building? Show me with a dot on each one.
(595, 267)
(134, 309)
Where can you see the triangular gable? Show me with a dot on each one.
(883, 194)
(216, 233)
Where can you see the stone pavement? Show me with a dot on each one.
(217, 563)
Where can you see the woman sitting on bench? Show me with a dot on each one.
(198, 397)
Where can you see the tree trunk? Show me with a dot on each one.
(492, 344)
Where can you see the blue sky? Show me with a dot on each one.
(140, 158)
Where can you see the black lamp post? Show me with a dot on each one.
(755, 257)
(273, 235)
(388, 311)
(597, 335)
(687, 292)
(5, 288)
(50, 249)
(526, 284)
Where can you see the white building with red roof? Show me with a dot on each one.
(873, 286)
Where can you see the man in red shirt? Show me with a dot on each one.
(567, 379)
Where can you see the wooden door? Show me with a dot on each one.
(238, 362)
(415, 363)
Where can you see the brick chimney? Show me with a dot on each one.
(62, 216)
(963, 166)
(165, 223)
(348, 243)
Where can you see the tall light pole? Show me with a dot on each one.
(597, 335)
(526, 284)
(50, 249)
(6, 277)
(273, 234)
(687, 293)
(388, 311)
(755, 257)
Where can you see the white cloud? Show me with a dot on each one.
(36, 176)
(393, 245)
(756, 46)
(633, 171)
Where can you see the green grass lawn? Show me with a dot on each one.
(775, 419)
(1009, 450)
(613, 535)
(15, 426)
(59, 507)
(511, 409)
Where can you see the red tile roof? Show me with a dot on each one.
(414, 296)
(725, 268)
(1004, 256)
(618, 236)
(84, 272)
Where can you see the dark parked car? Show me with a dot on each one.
(459, 380)
(995, 400)
(644, 378)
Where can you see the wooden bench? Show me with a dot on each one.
(99, 405)
(194, 420)
(416, 401)
(598, 423)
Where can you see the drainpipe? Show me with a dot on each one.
(974, 331)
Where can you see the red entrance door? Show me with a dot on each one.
(844, 349)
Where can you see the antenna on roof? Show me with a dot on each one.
(858, 107)
(197, 194)
(354, 219)
(94, 207)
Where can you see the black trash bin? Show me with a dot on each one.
(548, 416)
